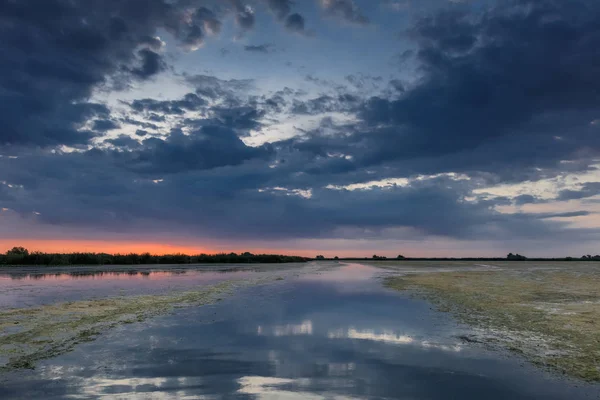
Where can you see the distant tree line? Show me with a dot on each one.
(21, 256)
(509, 257)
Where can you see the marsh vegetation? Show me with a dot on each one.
(548, 312)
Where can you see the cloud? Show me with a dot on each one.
(281, 8)
(151, 63)
(124, 141)
(244, 17)
(326, 104)
(207, 148)
(50, 76)
(260, 48)
(501, 95)
(481, 108)
(213, 88)
(103, 125)
(190, 102)
(60, 52)
(345, 10)
(590, 189)
(209, 183)
(295, 23)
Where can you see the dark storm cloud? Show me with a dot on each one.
(103, 125)
(281, 8)
(323, 104)
(214, 88)
(295, 23)
(587, 190)
(502, 96)
(346, 10)
(142, 124)
(449, 31)
(151, 63)
(190, 188)
(124, 141)
(530, 84)
(190, 102)
(56, 52)
(206, 148)
(275, 103)
(199, 23)
(158, 118)
(244, 117)
(244, 15)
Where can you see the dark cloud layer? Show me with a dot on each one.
(295, 23)
(57, 52)
(528, 85)
(504, 95)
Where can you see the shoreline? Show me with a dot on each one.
(550, 316)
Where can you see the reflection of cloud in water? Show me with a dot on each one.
(386, 336)
(305, 328)
(158, 388)
(269, 388)
(390, 337)
(136, 388)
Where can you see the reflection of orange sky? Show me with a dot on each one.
(105, 276)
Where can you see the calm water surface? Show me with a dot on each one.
(331, 335)
(26, 287)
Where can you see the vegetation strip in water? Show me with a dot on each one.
(552, 317)
(32, 334)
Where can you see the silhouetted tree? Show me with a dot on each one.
(515, 257)
(17, 251)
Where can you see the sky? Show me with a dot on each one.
(335, 127)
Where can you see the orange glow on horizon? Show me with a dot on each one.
(98, 246)
(127, 247)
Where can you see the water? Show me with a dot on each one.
(27, 287)
(330, 335)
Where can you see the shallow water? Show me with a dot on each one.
(331, 335)
(27, 287)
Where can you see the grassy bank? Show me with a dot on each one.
(550, 315)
